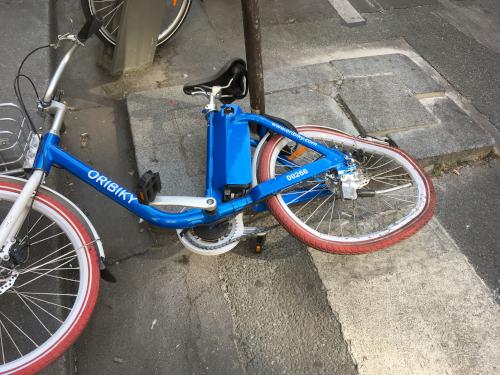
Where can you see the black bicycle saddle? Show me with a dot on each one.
(236, 70)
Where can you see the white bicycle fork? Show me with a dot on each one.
(17, 214)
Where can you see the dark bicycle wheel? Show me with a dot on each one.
(109, 12)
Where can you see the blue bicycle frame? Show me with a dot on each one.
(50, 154)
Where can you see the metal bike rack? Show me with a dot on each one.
(136, 44)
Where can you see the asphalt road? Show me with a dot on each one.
(468, 207)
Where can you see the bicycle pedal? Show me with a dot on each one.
(148, 187)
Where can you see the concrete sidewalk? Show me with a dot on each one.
(288, 310)
(416, 308)
(404, 310)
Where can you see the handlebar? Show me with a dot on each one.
(88, 29)
(49, 94)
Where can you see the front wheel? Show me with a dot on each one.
(49, 286)
(395, 198)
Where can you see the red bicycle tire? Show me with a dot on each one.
(62, 345)
(339, 247)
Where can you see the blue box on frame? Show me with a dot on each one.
(232, 150)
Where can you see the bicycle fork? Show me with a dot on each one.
(18, 212)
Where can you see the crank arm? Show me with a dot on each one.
(208, 204)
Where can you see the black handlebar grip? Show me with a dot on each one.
(90, 28)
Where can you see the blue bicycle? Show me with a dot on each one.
(332, 191)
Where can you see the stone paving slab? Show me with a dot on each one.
(288, 78)
(172, 144)
(169, 131)
(455, 135)
(383, 103)
(308, 106)
(395, 64)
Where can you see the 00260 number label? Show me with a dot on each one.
(294, 175)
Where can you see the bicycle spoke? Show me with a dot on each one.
(19, 329)
(398, 199)
(45, 311)
(58, 259)
(300, 196)
(47, 274)
(31, 310)
(340, 224)
(309, 201)
(46, 238)
(59, 269)
(391, 207)
(112, 12)
(383, 182)
(116, 29)
(331, 215)
(43, 230)
(103, 8)
(42, 275)
(1, 344)
(326, 213)
(395, 194)
(317, 208)
(52, 253)
(384, 172)
(43, 300)
(10, 337)
(374, 164)
(34, 225)
(49, 294)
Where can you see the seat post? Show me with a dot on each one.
(214, 94)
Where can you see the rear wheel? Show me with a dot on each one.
(395, 196)
(109, 11)
(49, 286)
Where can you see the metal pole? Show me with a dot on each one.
(251, 27)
